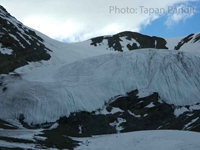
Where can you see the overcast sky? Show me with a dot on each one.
(77, 20)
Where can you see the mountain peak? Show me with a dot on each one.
(127, 40)
(18, 44)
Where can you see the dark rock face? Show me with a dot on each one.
(25, 45)
(128, 113)
(183, 41)
(197, 38)
(144, 41)
(139, 41)
(86, 124)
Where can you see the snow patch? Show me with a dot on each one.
(137, 116)
(80, 129)
(145, 115)
(5, 50)
(25, 134)
(181, 110)
(190, 123)
(151, 105)
(54, 126)
(155, 43)
(125, 42)
(16, 39)
(143, 140)
(117, 123)
(14, 145)
(172, 42)
(105, 112)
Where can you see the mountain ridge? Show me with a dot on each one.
(21, 45)
(24, 45)
(66, 59)
(53, 92)
(140, 41)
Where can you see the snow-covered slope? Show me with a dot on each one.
(21, 45)
(18, 44)
(43, 80)
(145, 140)
(142, 140)
(189, 43)
(173, 42)
(70, 52)
(53, 79)
(61, 54)
(87, 84)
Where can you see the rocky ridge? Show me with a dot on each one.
(19, 45)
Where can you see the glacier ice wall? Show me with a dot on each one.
(87, 84)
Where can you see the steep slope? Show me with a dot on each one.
(166, 72)
(130, 113)
(18, 44)
(87, 84)
(61, 54)
(60, 87)
(21, 46)
(189, 43)
(83, 89)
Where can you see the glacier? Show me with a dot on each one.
(88, 83)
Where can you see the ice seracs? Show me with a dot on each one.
(87, 84)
